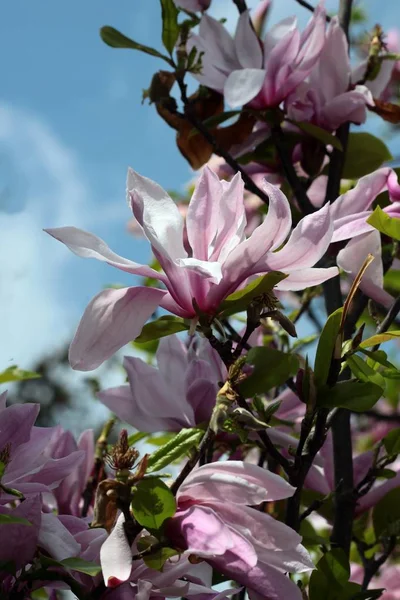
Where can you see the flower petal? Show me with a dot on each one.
(116, 556)
(158, 214)
(243, 85)
(55, 538)
(304, 278)
(112, 319)
(247, 45)
(307, 244)
(85, 244)
(236, 482)
(362, 195)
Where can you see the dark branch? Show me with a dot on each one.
(389, 319)
(241, 5)
(191, 463)
(192, 118)
(310, 7)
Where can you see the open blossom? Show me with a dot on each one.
(180, 392)
(325, 99)
(221, 258)
(29, 467)
(244, 70)
(125, 578)
(215, 521)
(193, 5)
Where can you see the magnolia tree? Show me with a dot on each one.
(285, 470)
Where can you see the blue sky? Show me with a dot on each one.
(71, 121)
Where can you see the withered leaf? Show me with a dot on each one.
(386, 110)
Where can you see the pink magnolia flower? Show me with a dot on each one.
(215, 521)
(321, 476)
(325, 99)
(125, 578)
(221, 259)
(244, 71)
(24, 450)
(181, 392)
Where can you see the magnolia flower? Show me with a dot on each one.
(179, 393)
(244, 71)
(214, 521)
(320, 477)
(24, 451)
(179, 576)
(325, 99)
(221, 259)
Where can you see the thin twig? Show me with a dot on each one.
(372, 566)
(201, 128)
(310, 7)
(388, 320)
(191, 463)
(290, 172)
(241, 5)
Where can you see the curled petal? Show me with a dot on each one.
(116, 556)
(304, 278)
(112, 319)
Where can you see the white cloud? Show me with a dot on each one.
(47, 182)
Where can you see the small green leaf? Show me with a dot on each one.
(385, 473)
(114, 38)
(80, 565)
(380, 338)
(240, 300)
(170, 27)
(364, 372)
(152, 503)
(365, 153)
(157, 560)
(330, 579)
(391, 281)
(10, 520)
(271, 369)
(136, 437)
(14, 373)
(319, 134)
(391, 442)
(386, 514)
(390, 226)
(378, 357)
(353, 395)
(166, 325)
(326, 346)
(174, 449)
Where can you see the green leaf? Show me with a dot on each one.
(271, 369)
(319, 134)
(330, 579)
(166, 325)
(80, 565)
(377, 357)
(14, 373)
(326, 346)
(240, 300)
(391, 442)
(170, 27)
(174, 449)
(391, 281)
(152, 503)
(10, 520)
(390, 226)
(365, 153)
(386, 515)
(136, 437)
(114, 38)
(354, 395)
(380, 338)
(364, 372)
(2, 468)
(157, 560)
(385, 473)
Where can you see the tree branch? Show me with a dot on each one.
(192, 118)
(310, 7)
(191, 463)
(388, 320)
